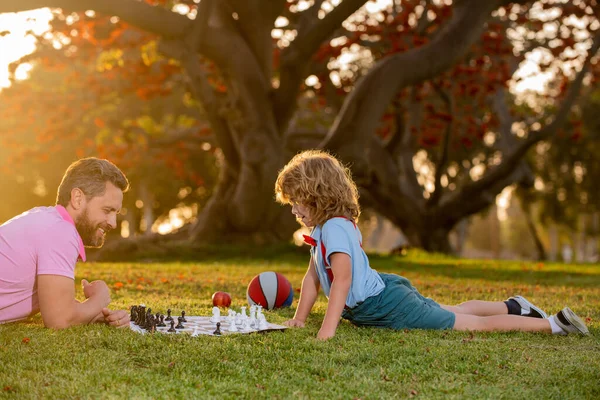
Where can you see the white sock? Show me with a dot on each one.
(556, 330)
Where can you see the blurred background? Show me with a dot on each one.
(471, 127)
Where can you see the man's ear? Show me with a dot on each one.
(77, 198)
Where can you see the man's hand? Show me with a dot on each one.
(116, 318)
(295, 323)
(96, 289)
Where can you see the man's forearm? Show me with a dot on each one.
(88, 311)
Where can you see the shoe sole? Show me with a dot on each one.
(524, 302)
(575, 321)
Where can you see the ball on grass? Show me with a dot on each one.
(221, 299)
(270, 290)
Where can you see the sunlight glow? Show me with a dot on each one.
(503, 203)
(18, 42)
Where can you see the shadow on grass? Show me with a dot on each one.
(491, 270)
(527, 272)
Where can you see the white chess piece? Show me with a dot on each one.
(231, 316)
(262, 323)
(246, 325)
(243, 312)
(233, 326)
(216, 317)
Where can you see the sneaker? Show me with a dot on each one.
(570, 322)
(528, 309)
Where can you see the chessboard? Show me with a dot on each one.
(201, 325)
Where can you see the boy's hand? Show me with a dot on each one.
(325, 334)
(295, 323)
(116, 318)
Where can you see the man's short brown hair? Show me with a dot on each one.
(90, 175)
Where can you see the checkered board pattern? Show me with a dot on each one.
(196, 326)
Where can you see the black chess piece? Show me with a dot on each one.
(152, 324)
(218, 330)
(149, 317)
(183, 316)
(172, 328)
(133, 313)
(179, 323)
(169, 318)
(142, 319)
(161, 323)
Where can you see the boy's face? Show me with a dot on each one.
(303, 215)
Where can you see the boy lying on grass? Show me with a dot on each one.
(324, 196)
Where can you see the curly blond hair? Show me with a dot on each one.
(319, 181)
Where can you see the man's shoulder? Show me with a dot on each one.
(41, 219)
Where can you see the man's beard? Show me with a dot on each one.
(89, 232)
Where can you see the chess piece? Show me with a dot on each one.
(246, 325)
(133, 313)
(161, 323)
(233, 327)
(169, 318)
(183, 317)
(243, 312)
(217, 332)
(231, 317)
(142, 319)
(149, 317)
(216, 315)
(179, 323)
(172, 328)
(262, 323)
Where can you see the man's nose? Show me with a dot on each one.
(112, 221)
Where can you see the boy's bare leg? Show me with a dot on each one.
(478, 307)
(465, 322)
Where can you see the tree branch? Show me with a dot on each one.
(296, 58)
(256, 26)
(154, 19)
(441, 165)
(366, 104)
(468, 199)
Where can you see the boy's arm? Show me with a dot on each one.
(308, 296)
(341, 266)
(58, 305)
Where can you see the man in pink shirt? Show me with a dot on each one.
(39, 250)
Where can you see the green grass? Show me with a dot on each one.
(99, 362)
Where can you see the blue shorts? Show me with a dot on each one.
(400, 306)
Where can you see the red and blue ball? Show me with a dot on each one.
(270, 290)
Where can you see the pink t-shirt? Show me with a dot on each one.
(41, 241)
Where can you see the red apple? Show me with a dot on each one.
(221, 299)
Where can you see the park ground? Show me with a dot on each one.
(366, 363)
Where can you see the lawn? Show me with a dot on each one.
(367, 363)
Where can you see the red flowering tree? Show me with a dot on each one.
(412, 95)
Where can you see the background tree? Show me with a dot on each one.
(119, 101)
(458, 56)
